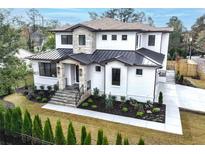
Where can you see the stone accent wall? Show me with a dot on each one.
(90, 44)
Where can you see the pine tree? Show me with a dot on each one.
(27, 124)
(16, 120)
(105, 141)
(59, 136)
(71, 139)
(160, 98)
(126, 141)
(37, 128)
(100, 137)
(48, 133)
(141, 142)
(7, 121)
(83, 135)
(119, 139)
(1, 121)
(88, 139)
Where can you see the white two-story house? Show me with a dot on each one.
(121, 59)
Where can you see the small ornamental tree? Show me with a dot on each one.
(88, 139)
(16, 121)
(100, 137)
(59, 136)
(71, 139)
(160, 98)
(1, 121)
(105, 141)
(7, 121)
(126, 142)
(141, 142)
(27, 124)
(119, 139)
(83, 135)
(37, 128)
(48, 133)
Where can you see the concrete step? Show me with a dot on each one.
(62, 103)
(62, 99)
(65, 95)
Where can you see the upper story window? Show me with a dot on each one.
(139, 71)
(124, 37)
(151, 40)
(66, 39)
(116, 76)
(114, 37)
(81, 39)
(97, 68)
(47, 69)
(104, 37)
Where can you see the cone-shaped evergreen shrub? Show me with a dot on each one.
(141, 142)
(27, 124)
(1, 120)
(71, 139)
(119, 139)
(126, 142)
(83, 135)
(88, 139)
(16, 120)
(37, 128)
(160, 98)
(59, 136)
(7, 121)
(100, 137)
(47, 132)
(105, 141)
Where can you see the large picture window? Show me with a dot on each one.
(66, 39)
(47, 69)
(116, 76)
(81, 39)
(151, 40)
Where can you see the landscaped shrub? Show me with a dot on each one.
(41, 93)
(140, 114)
(88, 139)
(105, 141)
(160, 98)
(48, 132)
(16, 120)
(83, 135)
(49, 88)
(44, 100)
(30, 95)
(94, 106)
(124, 109)
(55, 87)
(71, 139)
(114, 98)
(59, 136)
(27, 124)
(37, 128)
(103, 96)
(1, 107)
(1, 120)
(96, 92)
(109, 102)
(100, 137)
(141, 108)
(7, 122)
(85, 104)
(141, 142)
(90, 101)
(134, 103)
(181, 79)
(25, 93)
(42, 87)
(119, 139)
(38, 98)
(126, 141)
(122, 98)
(155, 110)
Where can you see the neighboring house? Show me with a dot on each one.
(121, 59)
(22, 54)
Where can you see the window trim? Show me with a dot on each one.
(124, 39)
(141, 71)
(103, 36)
(83, 41)
(115, 85)
(68, 42)
(96, 69)
(115, 38)
(43, 72)
(150, 40)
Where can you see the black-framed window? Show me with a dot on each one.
(116, 76)
(104, 37)
(124, 37)
(114, 37)
(139, 71)
(97, 68)
(151, 40)
(47, 69)
(81, 39)
(66, 39)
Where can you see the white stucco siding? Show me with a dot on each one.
(97, 78)
(42, 80)
(58, 40)
(141, 87)
(118, 44)
(113, 89)
(164, 48)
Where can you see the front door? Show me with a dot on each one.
(76, 73)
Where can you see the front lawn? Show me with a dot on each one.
(192, 134)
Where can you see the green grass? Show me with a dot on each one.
(193, 133)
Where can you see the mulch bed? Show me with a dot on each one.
(117, 110)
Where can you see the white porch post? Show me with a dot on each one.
(61, 75)
(83, 76)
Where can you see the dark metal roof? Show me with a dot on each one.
(54, 55)
(82, 57)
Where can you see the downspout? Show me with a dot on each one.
(127, 82)
(161, 44)
(104, 77)
(155, 85)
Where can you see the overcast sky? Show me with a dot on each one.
(160, 16)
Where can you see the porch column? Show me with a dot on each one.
(61, 75)
(83, 76)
